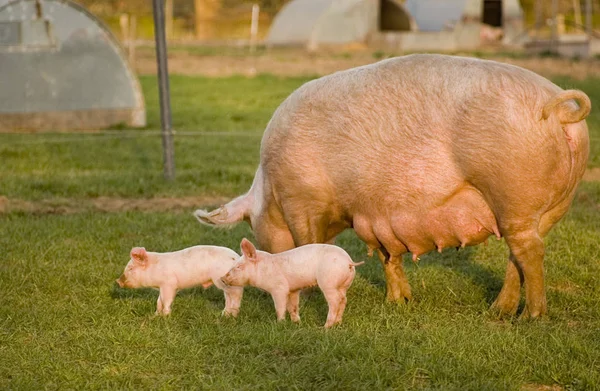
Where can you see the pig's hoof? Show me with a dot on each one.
(397, 293)
(501, 311)
(329, 325)
(506, 305)
(397, 298)
(532, 314)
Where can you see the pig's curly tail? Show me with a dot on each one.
(566, 115)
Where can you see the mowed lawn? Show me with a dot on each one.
(64, 324)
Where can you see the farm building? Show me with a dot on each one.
(408, 25)
(62, 69)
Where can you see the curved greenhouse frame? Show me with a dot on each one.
(62, 69)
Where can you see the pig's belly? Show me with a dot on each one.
(463, 219)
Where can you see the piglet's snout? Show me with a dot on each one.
(224, 279)
(121, 281)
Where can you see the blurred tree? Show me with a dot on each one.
(207, 19)
(269, 6)
(206, 11)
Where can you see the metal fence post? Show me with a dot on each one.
(555, 37)
(588, 18)
(254, 27)
(163, 89)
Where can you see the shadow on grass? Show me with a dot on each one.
(460, 262)
(254, 300)
(123, 293)
(212, 295)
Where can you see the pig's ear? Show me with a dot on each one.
(139, 255)
(248, 249)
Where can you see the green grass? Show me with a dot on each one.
(220, 104)
(65, 325)
(36, 166)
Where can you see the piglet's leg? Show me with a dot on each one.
(293, 302)
(165, 299)
(159, 306)
(342, 307)
(280, 300)
(334, 298)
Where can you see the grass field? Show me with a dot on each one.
(64, 324)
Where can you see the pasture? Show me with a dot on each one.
(73, 205)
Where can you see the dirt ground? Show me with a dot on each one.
(592, 175)
(158, 204)
(108, 204)
(290, 62)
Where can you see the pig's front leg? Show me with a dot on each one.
(280, 299)
(165, 299)
(293, 302)
(233, 300)
(397, 286)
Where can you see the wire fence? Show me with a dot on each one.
(49, 138)
(37, 138)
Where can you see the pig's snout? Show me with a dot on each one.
(224, 279)
(121, 281)
(227, 279)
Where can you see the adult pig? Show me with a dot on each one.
(418, 153)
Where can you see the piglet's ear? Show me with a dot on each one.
(248, 249)
(139, 255)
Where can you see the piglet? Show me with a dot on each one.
(170, 272)
(283, 275)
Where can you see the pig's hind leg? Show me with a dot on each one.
(311, 226)
(343, 289)
(527, 260)
(293, 304)
(334, 298)
(507, 301)
(271, 231)
(341, 307)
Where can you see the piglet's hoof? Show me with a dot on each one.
(228, 314)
